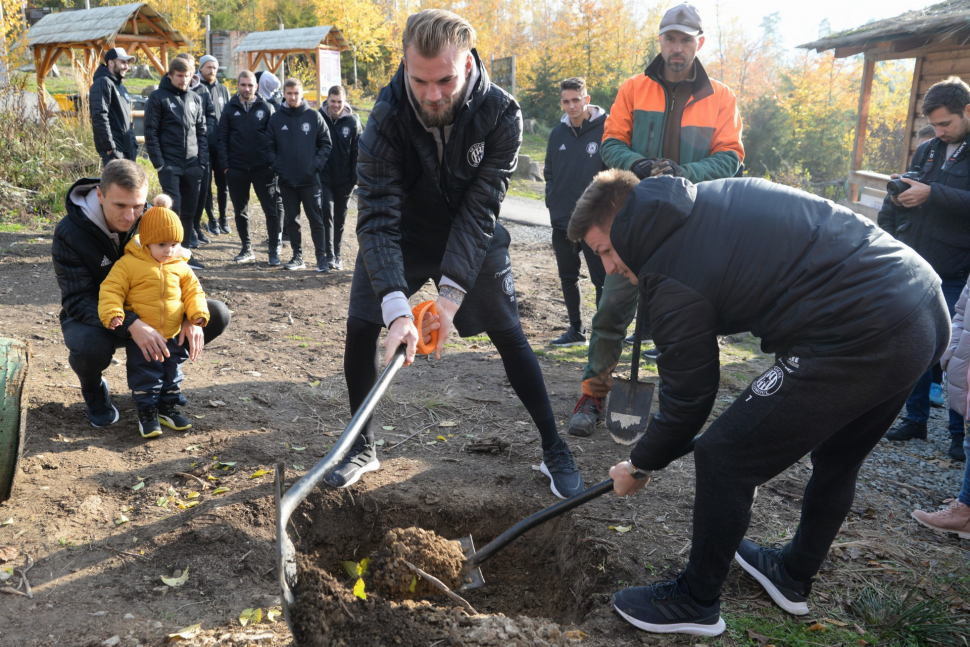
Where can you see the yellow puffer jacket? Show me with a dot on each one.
(159, 293)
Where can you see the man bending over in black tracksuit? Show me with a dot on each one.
(853, 317)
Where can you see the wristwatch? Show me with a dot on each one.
(638, 474)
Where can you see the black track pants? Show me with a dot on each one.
(263, 181)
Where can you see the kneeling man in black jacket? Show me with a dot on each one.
(102, 217)
(853, 317)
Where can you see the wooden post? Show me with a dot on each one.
(153, 59)
(41, 90)
(320, 98)
(859, 149)
(163, 56)
(911, 115)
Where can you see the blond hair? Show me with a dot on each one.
(600, 202)
(432, 30)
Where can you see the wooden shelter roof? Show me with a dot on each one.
(295, 40)
(102, 23)
(944, 21)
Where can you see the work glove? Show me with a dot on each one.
(667, 167)
(643, 168)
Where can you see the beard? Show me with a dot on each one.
(444, 117)
(678, 66)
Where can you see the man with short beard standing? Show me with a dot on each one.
(208, 71)
(434, 165)
(114, 137)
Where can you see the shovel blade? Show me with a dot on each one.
(472, 579)
(628, 411)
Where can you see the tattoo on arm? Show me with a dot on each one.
(451, 293)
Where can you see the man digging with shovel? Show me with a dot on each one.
(853, 317)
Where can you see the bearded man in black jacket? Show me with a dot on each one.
(102, 217)
(853, 317)
(114, 137)
(434, 165)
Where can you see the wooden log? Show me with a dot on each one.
(911, 116)
(948, 66)
(14, 365)
(153, 59)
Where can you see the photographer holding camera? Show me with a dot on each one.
(928, 208)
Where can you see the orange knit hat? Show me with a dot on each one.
(160, 224)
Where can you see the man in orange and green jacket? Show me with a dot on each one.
(671, 120)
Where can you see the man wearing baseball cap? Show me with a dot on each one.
(671, 120)
(111, 108)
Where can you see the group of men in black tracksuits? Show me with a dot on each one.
(195, 132)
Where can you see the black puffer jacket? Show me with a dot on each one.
(175, 129)
(111, 116)
(572, 160)
(447, 208)
(806, 276)
(297, 145)
(220, 99)
(242, 135)
(341, 167)
(83, 255)
(938, 229)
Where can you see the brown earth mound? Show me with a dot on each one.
(435, 555)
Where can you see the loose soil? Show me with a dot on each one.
(439, 557)
(104, 514)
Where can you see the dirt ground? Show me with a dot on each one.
(104, 515)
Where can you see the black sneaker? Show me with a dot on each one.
(663, 608)
(213, 228)
(337, 264)
(766, 566)
(168, 415)
(101, 412)
(200, 234)
(586, 414)
(148, 423)
(571, 337)
(224, 227)
(907, 430)
(274, 259)
(956, 451)
(246, 255)
(361, 458)
(296, 264)
(557, 463)
(629, 339)
(323, 267)
(195, 264)
(651, 354)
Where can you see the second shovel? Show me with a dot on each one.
(628, 411)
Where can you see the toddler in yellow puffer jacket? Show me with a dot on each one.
(153, 280)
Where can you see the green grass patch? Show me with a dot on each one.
(534, 146)
(782, 630)
(10, 227)
(527, 189)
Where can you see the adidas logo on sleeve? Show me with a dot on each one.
(284, 127)
(105, 262)
(562, 147)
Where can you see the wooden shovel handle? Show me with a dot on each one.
(423, 308)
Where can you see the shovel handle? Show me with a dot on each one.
(537, 519)
(423, 308)
(635, 360)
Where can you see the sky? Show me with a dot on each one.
(800, 20)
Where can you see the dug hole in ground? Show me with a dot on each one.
(104, 515)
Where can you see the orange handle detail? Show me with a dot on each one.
(426, 307)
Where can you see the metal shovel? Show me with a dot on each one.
(628, 411)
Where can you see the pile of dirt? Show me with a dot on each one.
(435, 555)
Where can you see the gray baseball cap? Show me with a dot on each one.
(683, 18)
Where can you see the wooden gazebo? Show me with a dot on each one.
(94, 31)
(938, 37)
(321, 44)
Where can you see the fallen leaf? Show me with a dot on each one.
(183, 505)
(762, 640)
(8, 522)
(818, 626)
(250, 615)
(359, 589)
(861, 642)
(8, 553)
(432, 442)
(414, 583)
(621, 528)
(576, 634)
(387, 427)
(178, 580)
(447, 423)
(192, 495)
(121, 519)
(315, 383)
(834, 622)
(191, 448)
(185, 633)
(442, 439)
(273, 614)
(162, 502)
(137, 486)
(451, 435)
(216, 403)
(220, 490)
(210, 477)
(171, 492)
(859, 630)
(258, 473)
(298, 467)
(298, 449)
(379, 442)
(199, 416)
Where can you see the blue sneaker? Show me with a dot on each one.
(663, 608)
(936, 394)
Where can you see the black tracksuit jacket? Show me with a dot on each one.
(83, 255)
(111, 116)
(297, 145)
(938, 229)
(175, 128)
(808, 277)
(448, 207)
(341, 167)
(243, 141)
(219, 96)
(572, 160)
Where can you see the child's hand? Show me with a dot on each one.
(115, 323)
(200, 321)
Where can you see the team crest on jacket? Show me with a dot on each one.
(592, 147)
(476, 153)
(306, 127)
(345, 131)
(769, 382)
(259, 114)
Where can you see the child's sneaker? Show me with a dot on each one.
(148, 423)
(168, 415)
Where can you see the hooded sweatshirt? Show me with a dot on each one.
(808, 277)
(268, 87)
(572, 160)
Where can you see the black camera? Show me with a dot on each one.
(897, 186)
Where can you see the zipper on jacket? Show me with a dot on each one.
(161, 296)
